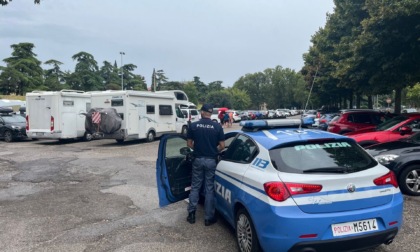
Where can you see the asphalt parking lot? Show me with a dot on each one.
(102, 196)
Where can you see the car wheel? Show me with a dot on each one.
(184, 130)
(8, 137)
(246, 236)
(150, 136)
(87, 136)
(409, 180)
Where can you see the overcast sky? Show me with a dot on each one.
(216, 40)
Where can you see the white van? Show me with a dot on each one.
(142, 115)
(57, 114)
(192, 115)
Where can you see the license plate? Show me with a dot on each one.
(39, 134)
(354, 227)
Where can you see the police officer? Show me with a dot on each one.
(206, 138)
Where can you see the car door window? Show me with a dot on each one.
(241, 150)
(362, 118)
(178, 165)
(415, 125)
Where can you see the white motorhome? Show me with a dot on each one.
(144, 115)
(181, 98)
(57, 114)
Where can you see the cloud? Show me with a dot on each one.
(215, 40)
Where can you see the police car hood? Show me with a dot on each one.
(342, 192)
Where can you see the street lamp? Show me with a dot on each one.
(122, 72)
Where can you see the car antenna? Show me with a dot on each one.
(309, 95)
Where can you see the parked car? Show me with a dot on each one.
(409, 110)
(403, 158)
(353, 120)
(12, 125)
(236, 117)
(280, 114)
(324, 120)
(399, 127)
(286, 188)
(215, 115)
(192, 115)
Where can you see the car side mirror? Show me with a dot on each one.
(405, 130)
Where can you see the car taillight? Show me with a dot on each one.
(280, 191)
(387, 179)
(322, 120)
(52, 124)
(27, 122)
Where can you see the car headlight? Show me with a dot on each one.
(16, 127)
(386, 159)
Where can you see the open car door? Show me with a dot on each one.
(173, 169)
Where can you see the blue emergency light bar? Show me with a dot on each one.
(271, 123)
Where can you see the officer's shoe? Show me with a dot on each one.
(191, 217)
(210, 221)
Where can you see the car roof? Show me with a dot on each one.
(271, 137)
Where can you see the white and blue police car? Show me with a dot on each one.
(287, 188)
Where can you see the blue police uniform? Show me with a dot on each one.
(206, 135)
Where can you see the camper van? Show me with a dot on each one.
(57, 114)
(181, 98)
(138, 115)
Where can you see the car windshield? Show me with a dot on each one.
(322, 156)
(391, 123)
(14, 119)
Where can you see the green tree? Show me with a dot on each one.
(54, 77)
(239, 99)
(413, 95)
(201, 88)
(23, 71)
(253, 85)
(215, 86)
(219, 99)
(389, 45)
(86, 75)
(172, 85)
(109, 74)
(191, 90)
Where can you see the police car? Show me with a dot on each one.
(287, 188)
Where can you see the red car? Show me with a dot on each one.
(399, 127)
(353, 120)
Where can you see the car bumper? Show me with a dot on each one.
(288, 228)
(19, 134)
(348, 244)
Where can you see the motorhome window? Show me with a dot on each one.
(165, 110)
(68, 103)
(181, 96)
(150, 109)
(117, 102)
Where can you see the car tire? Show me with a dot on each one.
(409, 180)
(119, 141)
(246, 236)
(8, 137)
(88, 137)
(150, 136)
